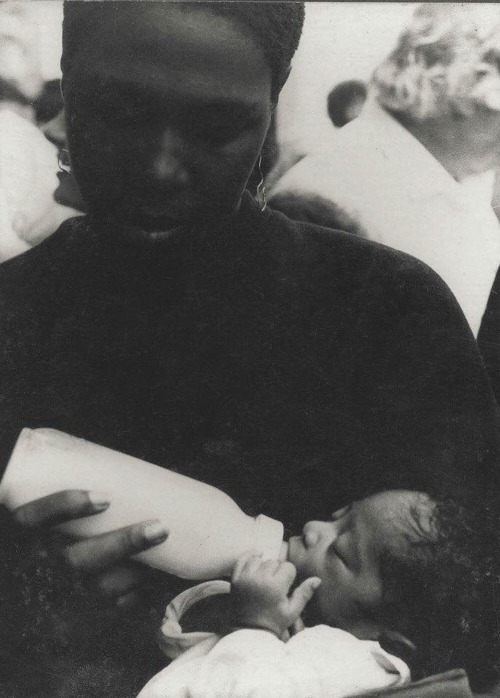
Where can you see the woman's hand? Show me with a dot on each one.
(260, 594)
(104, 556)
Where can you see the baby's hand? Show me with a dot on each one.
(259, 594)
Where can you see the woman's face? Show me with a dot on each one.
(167, 109)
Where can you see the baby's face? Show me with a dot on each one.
(345, 553)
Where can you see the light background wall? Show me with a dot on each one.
(47, 16)
(341, 41)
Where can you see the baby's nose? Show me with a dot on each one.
(311, 534)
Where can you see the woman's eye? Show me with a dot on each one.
(219, 134)
(121, 116)
(220, 130)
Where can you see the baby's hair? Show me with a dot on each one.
(441, 592)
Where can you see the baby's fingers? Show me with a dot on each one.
(302, 595)
(245, 564)
(285, 575)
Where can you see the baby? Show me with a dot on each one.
(393, 574)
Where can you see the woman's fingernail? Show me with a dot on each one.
(99, 500)
(155, 532)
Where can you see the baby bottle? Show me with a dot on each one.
(207, 530)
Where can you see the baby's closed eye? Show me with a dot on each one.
(335, 551)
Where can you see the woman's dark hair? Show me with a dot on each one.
(276, 26)
(442, 594)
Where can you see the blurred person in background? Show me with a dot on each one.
(345, 102)
(180, 322)
(67, 192)
(49, 102)
(28, 162)
(415, 170)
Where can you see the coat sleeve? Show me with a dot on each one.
(319, 662)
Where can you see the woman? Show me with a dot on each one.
(180, 323)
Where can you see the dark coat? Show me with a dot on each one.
(295, 367)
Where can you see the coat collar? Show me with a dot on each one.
(414, 165)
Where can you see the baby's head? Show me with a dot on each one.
(397, 562)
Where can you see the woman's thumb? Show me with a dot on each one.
(302, 595)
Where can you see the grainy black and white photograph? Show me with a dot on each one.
(249, 349)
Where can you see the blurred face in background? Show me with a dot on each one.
(482, 137)
(166, 115)
(67, 192)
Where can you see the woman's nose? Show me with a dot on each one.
(169, 165)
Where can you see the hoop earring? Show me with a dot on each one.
(261, 187)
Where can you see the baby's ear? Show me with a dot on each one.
(397, 644)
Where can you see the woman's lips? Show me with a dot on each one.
(159, 208)
(152, 220)
(156, 211)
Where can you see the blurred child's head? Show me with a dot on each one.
(398, 562)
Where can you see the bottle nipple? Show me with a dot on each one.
(269, 537)
(283, 552)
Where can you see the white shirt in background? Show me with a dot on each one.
(398, 194)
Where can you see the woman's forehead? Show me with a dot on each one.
(166, 41)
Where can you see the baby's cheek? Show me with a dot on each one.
(303, 570)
